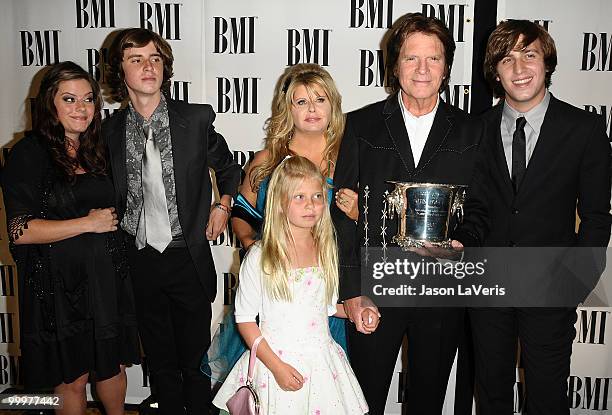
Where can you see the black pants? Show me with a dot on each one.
(545, 336)
(174, 317)
(433, 335)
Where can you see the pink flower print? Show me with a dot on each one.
(263, 385)
(313, 324)
(309, 282)
(241, 379)
(317, 412)
(305, 379)
(335, 375)
(280, 352)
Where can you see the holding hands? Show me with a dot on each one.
(363, 312)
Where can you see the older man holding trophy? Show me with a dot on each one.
(416, 139)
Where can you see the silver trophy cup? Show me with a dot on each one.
(425, 212)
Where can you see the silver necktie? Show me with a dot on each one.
(154, 223)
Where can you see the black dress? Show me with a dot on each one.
(75, 297)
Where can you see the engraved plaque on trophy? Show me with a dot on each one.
(425, 212)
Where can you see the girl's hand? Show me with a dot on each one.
(102, 220)
(346, 200)
(288, 378)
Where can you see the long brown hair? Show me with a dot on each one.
(91, 154)
(135, 38)
(505, 38)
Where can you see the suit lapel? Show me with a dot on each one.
(180, 151)
(441, 127)
(552, 127)
(397, 132)
(499, 156)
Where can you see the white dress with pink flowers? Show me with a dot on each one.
(298, 332)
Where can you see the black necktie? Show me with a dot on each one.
(518, 153)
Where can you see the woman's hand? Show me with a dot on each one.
(102, 220)
(288, 378)
(346, 200)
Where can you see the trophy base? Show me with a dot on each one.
(406, 243)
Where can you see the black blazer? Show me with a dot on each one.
(569, 170)
(196, 146)
(375, 148)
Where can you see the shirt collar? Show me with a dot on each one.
(409, 116)
(158, 114)
(534, 117)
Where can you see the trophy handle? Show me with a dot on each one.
(457, 208)
(395, 203)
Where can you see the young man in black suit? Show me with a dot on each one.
(545, 160)
(161, 151)
(413, 135)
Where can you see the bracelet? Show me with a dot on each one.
(223, 207)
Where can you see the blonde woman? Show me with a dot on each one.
(307, 121)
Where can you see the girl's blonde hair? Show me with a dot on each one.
(279, 127)
(277, 238)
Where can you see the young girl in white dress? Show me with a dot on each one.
(290, 280)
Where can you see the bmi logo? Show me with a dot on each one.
(372, 14)
(237, 95)
(9, 370)
(453, 16)
(7, 328)
(605, 112)
(542, 22)
(586, 392)
(7, 280)
(164, 18)
(591, 326)
(95, 13)
(39, 47)
(235, 35)
(458, 96)
(107, 112)
(179, 90)
(95, 63)
(226, 238)
(371, 68)
(596, 52)
(230, 283)
(242, 158)
(308, 46)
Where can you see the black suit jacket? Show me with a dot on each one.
(569, 170)
(196, 146)
(375, 148)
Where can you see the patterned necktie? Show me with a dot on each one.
(518, 153)
(154, 223)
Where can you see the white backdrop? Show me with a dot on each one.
(231, 53)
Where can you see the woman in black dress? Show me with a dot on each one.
(77, 316)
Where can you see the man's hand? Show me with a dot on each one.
(217, 221)
(354, 308)
(429, 250)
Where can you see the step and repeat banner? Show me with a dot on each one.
(230, 54)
